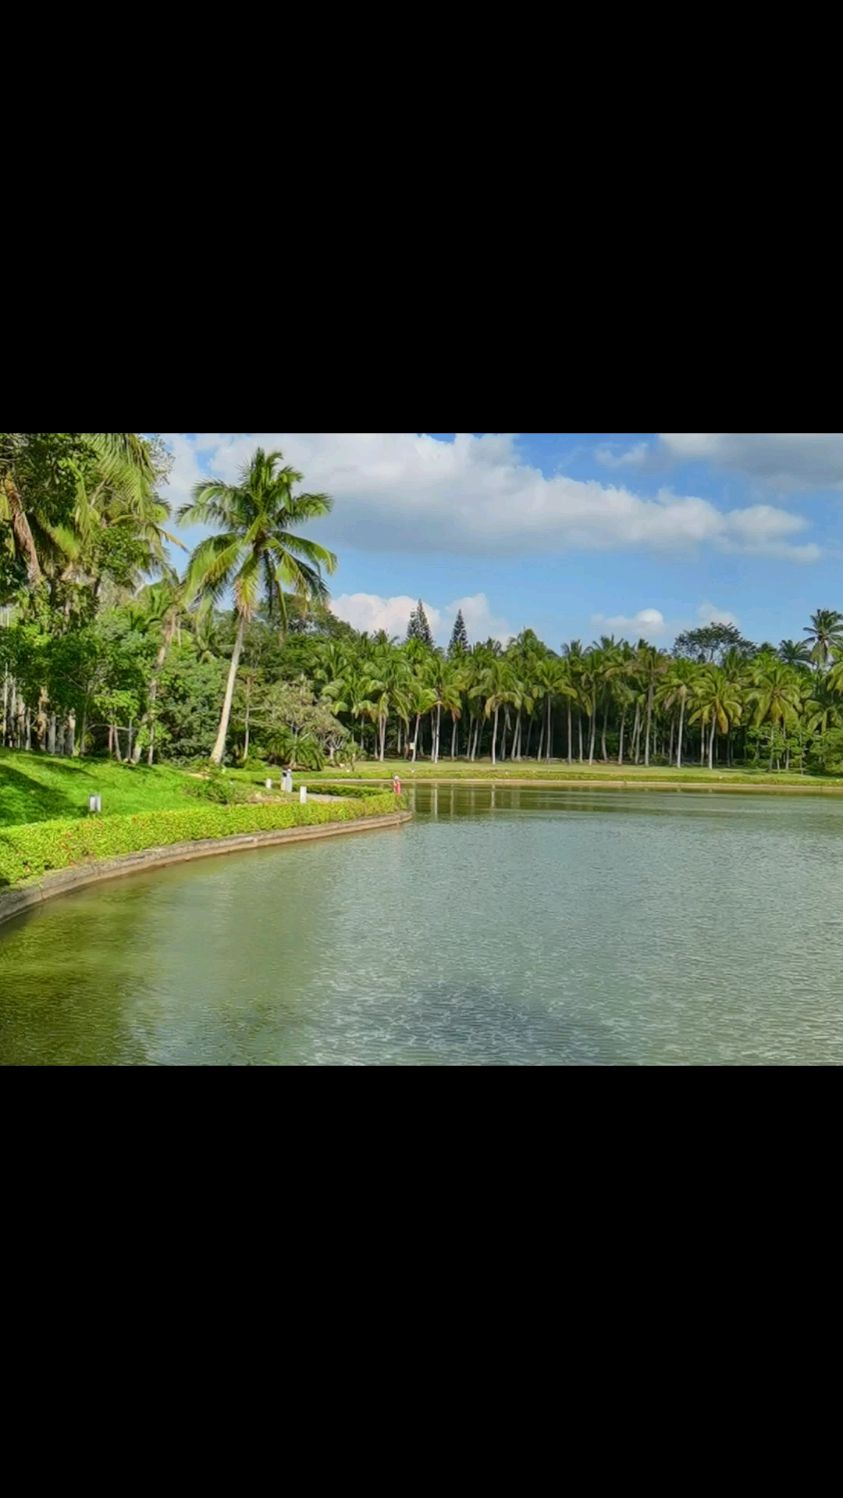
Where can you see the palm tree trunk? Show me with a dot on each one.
(453, 737)
(438, 731)
(670, 746)
(416, 736)
(549, 745)
(593, 733)
(679, 739)
(541, 739)
(603, 750)
(22, 533)
(529, 735)
(711, 744)
(579, 731)
(218, 751)
(649, 722)
(620, 743)
(636, 734)
(570, 743)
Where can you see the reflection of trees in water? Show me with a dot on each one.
(80, 966)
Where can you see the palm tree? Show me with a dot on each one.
(256, 552)
(650, 665)
(676, 689)
(794, 652)
(160, 607)
(574, 667)
(358, 694)
(454, 683)
(717, 702)
(775, 695)
(826, 631)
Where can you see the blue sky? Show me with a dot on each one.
(572, 534)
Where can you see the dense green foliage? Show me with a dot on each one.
(26, 853)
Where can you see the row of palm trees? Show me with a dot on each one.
(608, 700)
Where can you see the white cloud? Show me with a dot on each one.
(409, 492)
(784, 460)
(651, 624)
(186, 470)
(633, 457)
(647, 624)
(709, 613)
(371, 612)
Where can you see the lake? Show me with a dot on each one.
(505, 926)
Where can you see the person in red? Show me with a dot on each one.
(396, 785)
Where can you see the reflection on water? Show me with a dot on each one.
(505, 925)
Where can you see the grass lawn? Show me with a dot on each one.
(42, 788)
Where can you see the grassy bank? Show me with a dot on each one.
(39, 788)
(558, 772)
(30, 851)
(43, 788)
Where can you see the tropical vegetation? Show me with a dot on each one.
(112, 647)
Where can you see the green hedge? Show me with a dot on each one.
(322, 788)
(28, 851)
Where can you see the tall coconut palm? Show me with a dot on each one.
(717, 703)
(574, 657)
(675, 690)
(826, 632)
(774, 694)
(356, 694)
(161, 606)
(650, 666)
(794, 652)
(257, 552)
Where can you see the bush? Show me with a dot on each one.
(27, 852)
(826, 754)
(321, 788)
(218, 789)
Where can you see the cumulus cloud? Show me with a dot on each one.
(411, 492)
(633, 457)
(647, 624)
(372, 612)
(651, 624)
(709, 613)
(785, 460)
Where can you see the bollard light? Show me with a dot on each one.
(268, 784)
(302, 794)
(94, 803)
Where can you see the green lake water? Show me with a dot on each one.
(501, 926)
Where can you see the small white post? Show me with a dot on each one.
(302, 794)
(94, 803)
(268, 784)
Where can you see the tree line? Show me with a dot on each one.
(107, 647)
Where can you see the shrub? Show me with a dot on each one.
(27, 852)
(322, 788)
(826, 754)
(217, 789)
